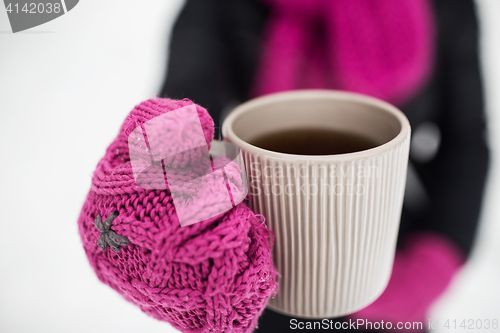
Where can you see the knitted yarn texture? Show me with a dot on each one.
(213, 276)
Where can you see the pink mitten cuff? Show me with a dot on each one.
(422, 270)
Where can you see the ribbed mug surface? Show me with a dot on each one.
(335, 218)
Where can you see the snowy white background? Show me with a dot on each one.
(65, 88)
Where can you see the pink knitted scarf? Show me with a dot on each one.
(211, 276)
(382, 48)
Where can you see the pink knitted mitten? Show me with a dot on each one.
(213, 276)
(422, 271)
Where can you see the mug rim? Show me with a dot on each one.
(228, 132)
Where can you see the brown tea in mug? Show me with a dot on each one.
(313, 141)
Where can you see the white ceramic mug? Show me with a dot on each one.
(335, 217)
